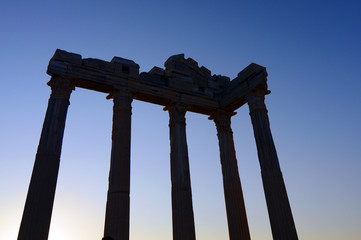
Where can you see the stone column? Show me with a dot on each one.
(279, 210)
(117, 211)
(182, 208)
(38, 208)
(236, 211)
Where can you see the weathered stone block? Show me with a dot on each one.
(245, 73)
(177, 64)
(181, 83)
(249, 72)
(157, 71)
(64, 56)
(124, 61)
(192, 63)
(208, 92)
(218, 82)
(152, 78)
(204, 91)
(125, 66)
(199, 80)
(223, 81)
(181, 69)
(212, 84)
(56, 67)
(172, 59)
(98, 64)
(205, 72)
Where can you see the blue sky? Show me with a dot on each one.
(312, 52)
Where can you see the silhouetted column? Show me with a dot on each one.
(182, 208)
(236, 211)
(117, 211)
(39, 202)
(279, 210)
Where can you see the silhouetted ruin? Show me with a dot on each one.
(180, 87)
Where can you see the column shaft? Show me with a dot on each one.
(279, 210)
(117, 211)
(38, 208)
(182, 208)
(236, 211)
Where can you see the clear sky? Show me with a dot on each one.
(312, 51)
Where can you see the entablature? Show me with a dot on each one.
(182, 80)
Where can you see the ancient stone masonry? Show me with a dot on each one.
(180, 87)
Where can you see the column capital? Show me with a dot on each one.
(222, 119)
(221, 113)
(117, 93)
(256, 98)
(61, 87)
(177, 112)
(122, 99)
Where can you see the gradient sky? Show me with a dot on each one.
(312, 51)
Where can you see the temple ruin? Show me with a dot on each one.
(180, 87)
